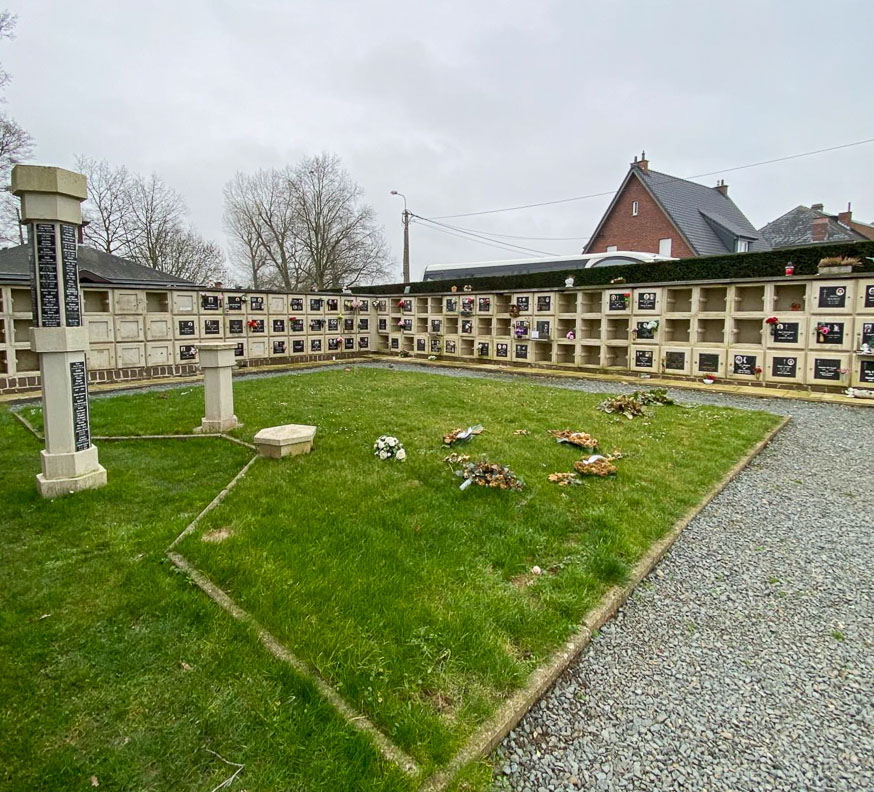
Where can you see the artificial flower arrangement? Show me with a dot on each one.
(822, 330)
(757, 371)
(771, 321)
(388, 447)
(514, 310)
(483, 473)
(581, 439)
(571, 335)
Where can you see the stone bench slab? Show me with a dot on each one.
(287, 440)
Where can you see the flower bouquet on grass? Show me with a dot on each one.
(483, 473)
(582, 439)
(388, 447)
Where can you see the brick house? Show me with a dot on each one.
(657, 213)
(811, 225)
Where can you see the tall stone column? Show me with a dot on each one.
(50, 207)
(217, 361)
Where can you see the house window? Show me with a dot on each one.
(634, 208)
(612, 248)
(665, 247)
(742, 246)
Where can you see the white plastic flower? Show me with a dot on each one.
(401, 455)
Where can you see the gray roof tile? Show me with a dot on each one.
(796, 228)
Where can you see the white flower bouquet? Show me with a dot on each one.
(387, 446)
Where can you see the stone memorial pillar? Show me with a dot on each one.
(217, 361)
(50, 208)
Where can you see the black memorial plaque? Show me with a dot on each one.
(451, 305)
(542, 329)
(466, 326)
(297, 345)
(333, 344)
(544, 302)
(316, 345)
(235, 326)
(523, 303)
(745, 364)
(708, 362)
(827, 369)
(210, 302)
(830, 333)
(395, 343)
(316, 304)
(450, 346)
(186, 327)
(296, 303)
(436, 326)
(381, 324)
(408, 325)
(256, 303)
(869, 296)
(296, 325)
(407, 305)
(866, 371)
(786, 333)
(435, 345)
(187, 351)
(784, 367)
(646, 301)
(868, 333)
(643, 358)
(365, 305)
(47, 275)
(522, 351)
(645, 333)
(420, 345)
(832, 297)
(482, 348)
(676, 361)
(363, 342)
(348, 324)
(70, 270)
(235, 302)
(239, 350)
(279, 347)
(616, 302)
(333, 303)
(348, 343)
(256, 325)
(317, 325)
(79, 385)
(333, 325)
(502, 350)
(484, 304)
(212, 327)
(279, 325)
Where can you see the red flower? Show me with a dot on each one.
(400, 303)
(771, 320)
(627, 295)
(758, 369)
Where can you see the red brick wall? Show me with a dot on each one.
(641, 233)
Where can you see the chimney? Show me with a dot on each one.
(816, 207)
(722, 188)
(643, 163)
(819, 228)
(846, 218)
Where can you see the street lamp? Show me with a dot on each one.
(406, 221)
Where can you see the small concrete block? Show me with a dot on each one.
(214, 427)
(288, 440)
(55, 488)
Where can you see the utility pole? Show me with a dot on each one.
(406, 221)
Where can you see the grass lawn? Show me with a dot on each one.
(413, 599)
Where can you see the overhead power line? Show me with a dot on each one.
(480, 236)
(693, 176)
(505, 246)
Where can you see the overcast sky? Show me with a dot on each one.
(463, 106)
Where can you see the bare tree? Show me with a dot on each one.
(15, 145)
(187, 255)
(306, 226)
(342, 243)
(107, 210)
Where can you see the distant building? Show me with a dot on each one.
(95, 266)
(659, 213)
(812, 225)
(480, 269)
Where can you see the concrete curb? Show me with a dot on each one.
(487, 737)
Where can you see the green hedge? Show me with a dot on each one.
(767, 264)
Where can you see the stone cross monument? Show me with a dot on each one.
(50, 208)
